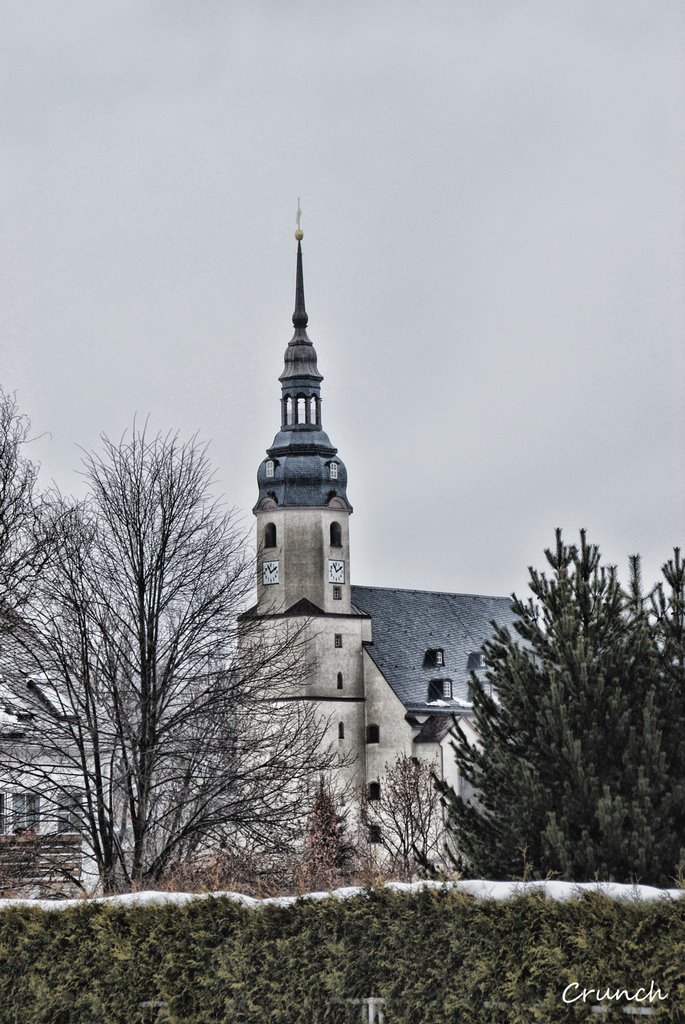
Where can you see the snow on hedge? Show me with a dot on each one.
(476, 887)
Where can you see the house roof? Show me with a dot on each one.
(407, 624)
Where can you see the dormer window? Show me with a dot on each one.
(334, 470)
(269, 469)
(435, 656)
(475, 661)
(440, 689)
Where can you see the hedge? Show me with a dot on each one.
(435, 956)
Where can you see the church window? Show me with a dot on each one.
(435, 656)
(269, 469)
(375, 834)
(338, 639)
(288, 410)
(439, 689)
(336, 535)
(340, 680)
(337, 593)
(373, 734)
(374, 791)
(300, 410)
(334, 470)
(270, 535)
(341, 730)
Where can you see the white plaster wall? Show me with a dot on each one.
(303, 550)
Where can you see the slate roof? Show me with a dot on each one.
(408, 623)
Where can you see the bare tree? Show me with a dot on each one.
(164, 719)
(402, 813)
(21, 548)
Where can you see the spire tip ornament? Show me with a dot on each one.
(299, 233)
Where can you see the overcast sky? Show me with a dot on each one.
(494, 211)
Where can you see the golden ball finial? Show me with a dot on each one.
(299, 234)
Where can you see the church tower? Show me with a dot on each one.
(302, 510)
(303, 550)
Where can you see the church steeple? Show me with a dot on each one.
(300, 356)
(301, 469)
(300, 317)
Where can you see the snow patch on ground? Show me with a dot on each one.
(475, 887)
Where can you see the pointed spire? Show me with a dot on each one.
(300, 318)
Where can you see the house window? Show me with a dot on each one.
(439, 657)
(334, 470)
(25, 810)
(338, 639)
(270, 535)
(373, 734)
(374, 791)
(69, 813)
(269, 469)
(475, 661)
(337, 594)
(375, 834)
(340, 680)
(336, 535)
(341, 730)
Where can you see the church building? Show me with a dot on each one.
(391, 667)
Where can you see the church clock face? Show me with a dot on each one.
(270, 573)
(336, 571)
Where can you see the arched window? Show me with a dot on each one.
(340, 680)
(300, 410)
(334, 470)
(373, 734)
(341, 731)
(336, 535)
(289, 410)
(269, 468)
(374, 791)
(270, 535)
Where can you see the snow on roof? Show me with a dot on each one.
(479, 888)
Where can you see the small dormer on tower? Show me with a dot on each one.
(302, 508)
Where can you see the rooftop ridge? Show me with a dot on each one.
(435, 593)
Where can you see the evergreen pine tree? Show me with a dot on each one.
(580, 767)
(326, 852)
